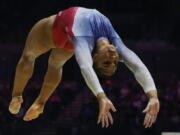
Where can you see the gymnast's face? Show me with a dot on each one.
(106, 59)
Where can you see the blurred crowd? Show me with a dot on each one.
(73, 109)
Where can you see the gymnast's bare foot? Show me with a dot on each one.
(34, 111)
(15, 104)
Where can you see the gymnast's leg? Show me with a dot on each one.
(52, 78)
(35, 46)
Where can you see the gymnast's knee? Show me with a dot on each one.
(26, 64)
(55, 63)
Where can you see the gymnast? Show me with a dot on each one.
(90, 36)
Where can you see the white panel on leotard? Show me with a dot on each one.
(81, 25)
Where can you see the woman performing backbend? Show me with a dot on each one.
(90, 36)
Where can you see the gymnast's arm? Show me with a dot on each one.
(140, 71)
(84, 59)
(143, 76)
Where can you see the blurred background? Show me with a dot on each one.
(148, 27)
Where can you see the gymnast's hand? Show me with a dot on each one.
(151, 110)
(105, 105)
